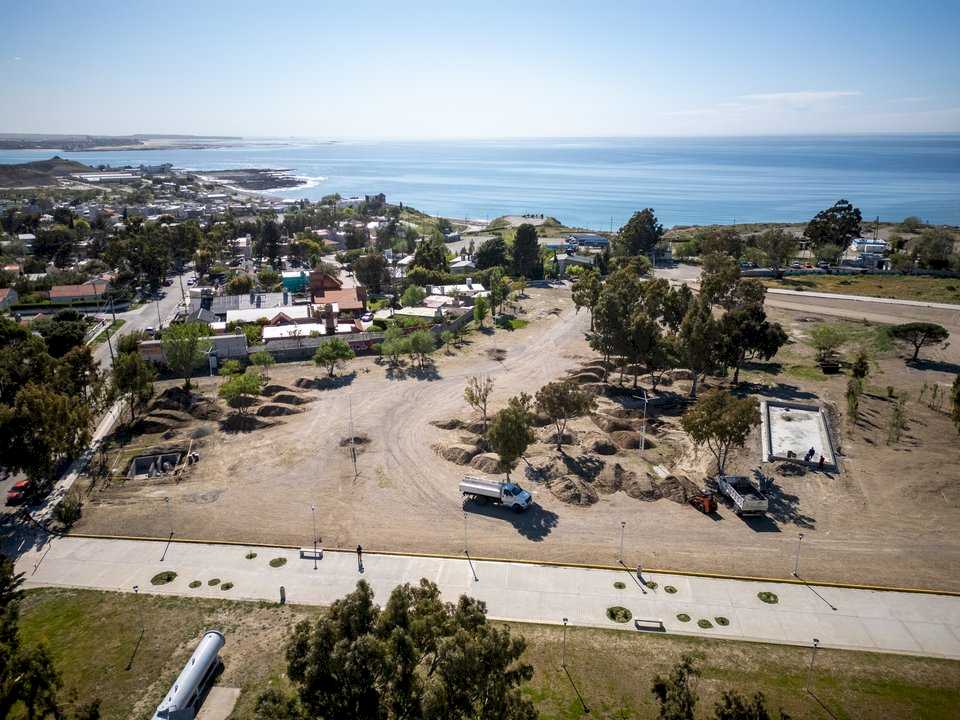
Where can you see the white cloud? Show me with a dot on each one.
(804, 97)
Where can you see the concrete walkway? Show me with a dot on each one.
(863, 298)
(898, 622)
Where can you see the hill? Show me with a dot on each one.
(39, 172)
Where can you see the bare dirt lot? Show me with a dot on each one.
(890, 515)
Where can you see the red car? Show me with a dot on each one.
(18, 493)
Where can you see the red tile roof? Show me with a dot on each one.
(97, 287)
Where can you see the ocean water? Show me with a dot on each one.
(598, 182)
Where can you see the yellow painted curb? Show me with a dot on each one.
(545, 563)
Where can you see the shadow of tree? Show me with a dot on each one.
(535, 524)
(237, 423)
(936, 366)
(780, 391)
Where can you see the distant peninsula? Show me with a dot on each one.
(78, 143)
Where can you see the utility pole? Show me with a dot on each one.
(313, 512)
(796, 561)
(136, 595)
(563, 653)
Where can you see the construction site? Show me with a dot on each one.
(375, 457)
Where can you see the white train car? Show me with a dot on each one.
(183, 700)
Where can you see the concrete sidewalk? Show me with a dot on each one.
(898, 622)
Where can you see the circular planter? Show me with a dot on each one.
(195, 583)
(213, 581)
(683, 617)
(704, 623)
(162, 578)
(620, 585)
(619, 614)
(768, 597)
(226, 586)
(670, 589)
(721, 621)
(278, 562)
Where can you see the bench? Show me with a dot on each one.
(311, 554)
(649, 625)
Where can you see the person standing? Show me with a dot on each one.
(360, 557)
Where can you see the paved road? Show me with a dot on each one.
(145, 316)
(897, 622)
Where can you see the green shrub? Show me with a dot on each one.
(250, 555)
(619, 614)
(704, 623)
(670, 589)
(162, 578)
(278, 562)
(652, 585)
(683, 617)
(768, 597)
(213, 581)
(195, 583)
(722, 621)
(619, 585)
(226, 586)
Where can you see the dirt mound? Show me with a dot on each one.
(474, 426)
(206, 410)
(305, 383)
(641, 487)
(550, 467)
(487, 463)
(626, 439)
(790, 469)
(614, 478)
(276, 410)
(154, 424)
(175, 398)
(598, 444)
(540, 420)
(609, 424)
(548, 436)
(678, 374)
(585, 376)
(498, 354)
(177, 416)
(573, 490)
(477, 441)
(459, 454)
(355, 440)
(236, 423)
(274, 389)
(289, 399)
(451, 424)
(678, 488)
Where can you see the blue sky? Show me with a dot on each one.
(491, 69)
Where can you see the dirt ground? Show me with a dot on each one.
(889, 516)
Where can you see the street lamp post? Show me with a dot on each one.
(466, 547)
(622, 526)
(563, 655)
(136, 595)
(796, 561)
(166, 502)
(813, 656)
(313, 513)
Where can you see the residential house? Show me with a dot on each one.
(90, 291)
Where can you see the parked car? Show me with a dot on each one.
(150, 330)
(17, 495)
(367, 317)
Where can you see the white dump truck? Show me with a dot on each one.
(484, 491)
(745, 496)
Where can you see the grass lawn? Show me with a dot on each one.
(93, 635)
(899, 287)
(109, 332)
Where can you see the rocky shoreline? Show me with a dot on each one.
(254, 178)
